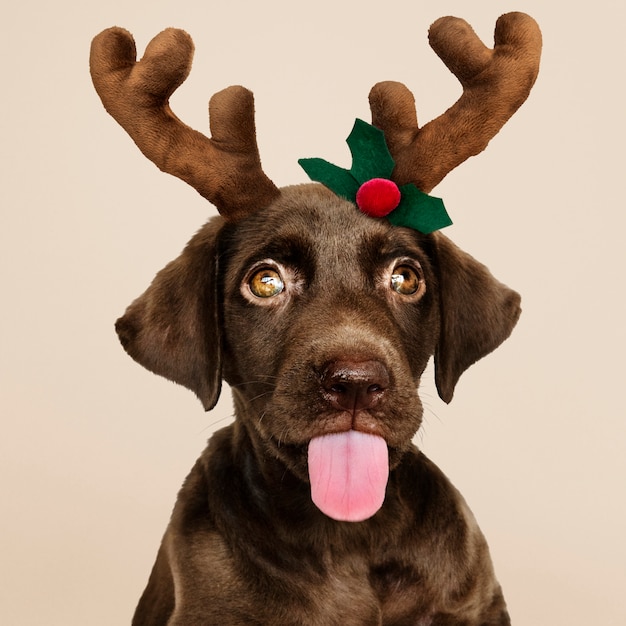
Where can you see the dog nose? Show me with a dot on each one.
(352, 385)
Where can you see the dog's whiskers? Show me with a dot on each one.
(255, 382)
(280, 437)
(261, 395)
(428, 410)
(215, 422)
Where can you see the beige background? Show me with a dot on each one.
(93, 449)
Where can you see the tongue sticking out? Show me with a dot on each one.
(348, 473)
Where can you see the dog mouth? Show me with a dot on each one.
(350, 427)
(348, 472)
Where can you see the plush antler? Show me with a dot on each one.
(225, 169)
(495, 84)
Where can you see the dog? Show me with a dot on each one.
(314, 507)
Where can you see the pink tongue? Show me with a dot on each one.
(348, 473)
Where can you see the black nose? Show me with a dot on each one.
(354, 385)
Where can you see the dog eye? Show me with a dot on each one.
(266, 283)
(405, 280)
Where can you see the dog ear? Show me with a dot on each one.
(173, 328)
(477, 314)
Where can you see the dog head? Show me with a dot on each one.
(320, 318)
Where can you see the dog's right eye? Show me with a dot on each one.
(266, 283)
(405, 280)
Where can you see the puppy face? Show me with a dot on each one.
(312, 286)
(321, 319)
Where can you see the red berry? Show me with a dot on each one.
(378, 197)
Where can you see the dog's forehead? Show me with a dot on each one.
(311, 220)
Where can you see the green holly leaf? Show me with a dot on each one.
(419, 211)
(370, 156)
(337, 179)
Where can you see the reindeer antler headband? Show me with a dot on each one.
(226, 168)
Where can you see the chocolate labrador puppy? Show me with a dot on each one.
(314, 506)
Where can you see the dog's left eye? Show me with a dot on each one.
(405, 280)
(266, 283)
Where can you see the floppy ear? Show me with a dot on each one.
(477, 314)
(173, 328)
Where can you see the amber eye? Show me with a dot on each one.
(266, 283)
(405, 280)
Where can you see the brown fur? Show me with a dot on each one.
(245, 544)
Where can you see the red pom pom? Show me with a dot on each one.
(378, 197)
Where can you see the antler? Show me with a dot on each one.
(495, 84)
(225, 169)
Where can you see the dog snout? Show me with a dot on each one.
(354, 385)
